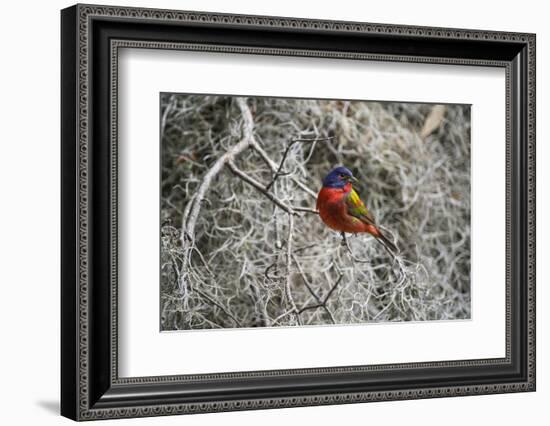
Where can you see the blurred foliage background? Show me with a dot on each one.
(245, 267)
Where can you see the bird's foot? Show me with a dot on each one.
(344, 242)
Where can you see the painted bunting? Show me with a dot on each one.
(341, 208)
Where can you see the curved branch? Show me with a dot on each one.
(192, 210)
(189, 220)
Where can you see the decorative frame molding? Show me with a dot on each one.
(91, 37)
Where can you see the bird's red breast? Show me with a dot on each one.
(331, 203)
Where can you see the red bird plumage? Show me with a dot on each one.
(341, 208)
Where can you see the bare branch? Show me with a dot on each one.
(188, 223)
(305, 280)
(305, 210)
(321, 303)
(325, 300)
(253, 182)
(273, 166)
(294, 141)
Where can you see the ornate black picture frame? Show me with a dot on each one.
(91, 387)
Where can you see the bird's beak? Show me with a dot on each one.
(356, 185)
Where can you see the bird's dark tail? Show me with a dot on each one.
(386, 242)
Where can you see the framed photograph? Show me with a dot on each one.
(263, 212)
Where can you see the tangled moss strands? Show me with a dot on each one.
(247, 264)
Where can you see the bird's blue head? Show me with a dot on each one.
(338, 178)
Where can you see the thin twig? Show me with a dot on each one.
(350, 251)
(254, 183)
(305, 210)
(219, 305)
(309, 307)
(298, 250)
(266, 272)
(396, 259)
(306, 282)
(289, 297)
(325, 300)
(294, 141)
(284, 314)
(273, 166)
(323, 303)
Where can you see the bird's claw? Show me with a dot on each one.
(344, 242)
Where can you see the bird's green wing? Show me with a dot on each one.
(357, 208)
